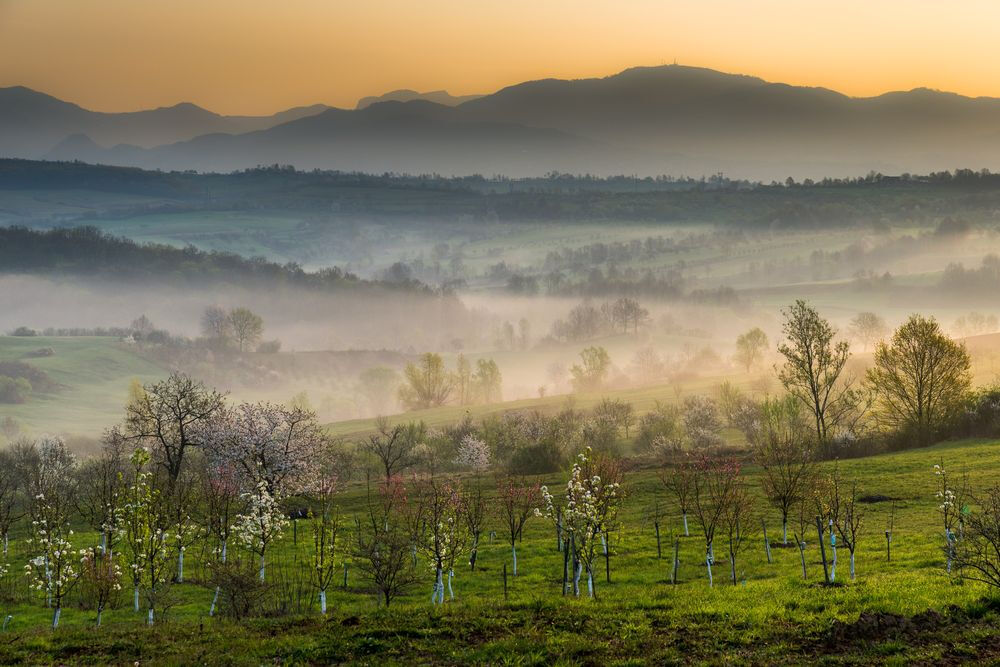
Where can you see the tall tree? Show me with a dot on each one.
(750, 348)
(246, 325)
(813, 366)
(920, 378)
(215, 324)
(428, 384)
(868, 328)
(594, 367)
(488, 381)
(170, 417)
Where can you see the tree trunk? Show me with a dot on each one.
(56, 613)
(322, 601)
(686, 533)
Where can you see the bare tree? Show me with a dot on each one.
(215, 324)
(382, 551)
(977, 555)
(392, 446)
(516, 501)
(868, 328)
(813, 367)
(782, 448)
(847, 514)
(712, 490)
(738, 519)
(102, 483)
(247, 326)
(678, 479)
(476, 508)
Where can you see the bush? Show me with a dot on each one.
(14, 390)
(657, 427)
(269, 347)
(38, 379)
(23, 331)
(543, 457)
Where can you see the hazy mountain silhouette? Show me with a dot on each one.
(407, 95)
(645, 120)
(32, 123)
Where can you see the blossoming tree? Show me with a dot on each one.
(593, 497)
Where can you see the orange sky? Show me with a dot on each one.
(259, 56)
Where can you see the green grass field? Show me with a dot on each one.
(95, 373)
(771, 615)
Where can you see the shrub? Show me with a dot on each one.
(38, 379)
(14, 390)
(658, 427)
(269, 347)
(23, 331)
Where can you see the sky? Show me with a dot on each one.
(261, 56)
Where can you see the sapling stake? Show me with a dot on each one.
(802, 553)
(605, 539)
(677, 544)
(659, 553)
(822, 550)
(345, 576)
(505, 581)
(767, 545)
(565, 583)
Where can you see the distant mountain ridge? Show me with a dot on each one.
(645, 120)
(32, 123)
(406, 95)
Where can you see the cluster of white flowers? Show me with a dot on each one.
(589, 501)
(51, 570)
(262, 522)
(473, 453)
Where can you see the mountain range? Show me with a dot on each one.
(645, 120)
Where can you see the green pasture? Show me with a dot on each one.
(772, 614)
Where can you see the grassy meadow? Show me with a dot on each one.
(771, 615)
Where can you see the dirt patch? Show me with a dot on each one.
(880, 626)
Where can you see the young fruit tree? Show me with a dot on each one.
(951, 505)
(54, 568)
(678, 479)
(738, 519)
(382, 551)
(102, 483)
(438, 504)
(221, 503)
(593, 497)
(101, 578)
(260, 524)
(516, 501)
(325, 522)
(783, 448)
(12, 501)
(977, 556)
(846, 513)
(476, 510)
(144, 536)
(713, 485)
